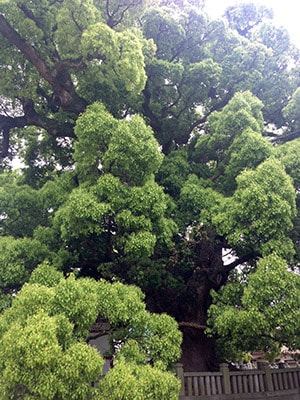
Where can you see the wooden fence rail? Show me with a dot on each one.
(258, 383)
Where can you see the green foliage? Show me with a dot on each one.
(161, 339)
(18, 257)
(121, 15)
(94, 130)
(119, 303)
(138, 213)
(173, 172)
(126, 149)
(55, 192)
(46, 275)
(132, 153)
(21, 210)
(36, 366)
(115, 65)
(288, 155)
(259, 214)
(140, 244)
(242, 112)
(173, 32)
(42, 350)
(72, 19)
(78, 301)
(81, 214)
(262, 314)
(129, 382)
(43, 156)
(245, 17)
(248, 150)
(291, 110)
(143, 129)
(197, 201)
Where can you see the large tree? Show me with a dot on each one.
(146, 136)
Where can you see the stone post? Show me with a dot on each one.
(264, 366)
(226, 378)
(180, 376)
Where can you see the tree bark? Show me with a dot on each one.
(199, 261)
(190, 311)
(198, 351)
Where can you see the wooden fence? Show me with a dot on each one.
(277, 384)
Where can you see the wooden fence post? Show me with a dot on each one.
(226, 378)
(180, 376)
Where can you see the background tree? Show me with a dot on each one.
(146, 135)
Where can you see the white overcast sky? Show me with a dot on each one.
(286, 13)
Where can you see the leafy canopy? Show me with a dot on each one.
(263, 312)
(146, 132)
(44, 355)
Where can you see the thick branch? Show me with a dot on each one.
(51, 125)
(284, 138)
(29, 14)
(192, 325)
(154, 122)
(5, 143)
(62, 84)
(96, 336)
(31, 118)
(14, 38)
(6, 124)
(216, 107)
(239, 261)
(112, 19)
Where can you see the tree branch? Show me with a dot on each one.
(5, 142)
(29, 14)
(216, 107)
(50, 125)
(283, 138)
(61, 84)
(6, 124)
(239, 261)
(14, 38)
(112, 21)
(31, 117)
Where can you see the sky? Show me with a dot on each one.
(286, 13)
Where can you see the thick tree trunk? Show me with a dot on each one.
(198, 350)
(203, 252)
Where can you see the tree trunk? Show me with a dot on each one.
(190, 311)
(198, 350)
(203, 252)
